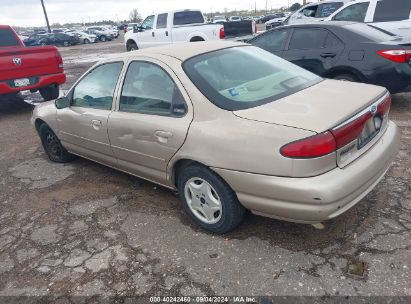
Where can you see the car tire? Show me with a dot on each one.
(103, 38)
(346, 77)
(132, 47)
(49, 93)
(53, 147)
(86, 41)
(209, 200)
(66, 43)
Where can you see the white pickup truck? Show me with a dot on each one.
(389, 15)
(183, 26)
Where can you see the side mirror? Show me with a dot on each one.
(62, 103)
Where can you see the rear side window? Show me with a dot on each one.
(7, 38)
(303, 39)
(188, 17)
(148, 89)
(272, 41)
(388, 11)
(162, 21)
(355, 12)
(327, 9)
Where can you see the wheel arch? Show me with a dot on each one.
(345, 70)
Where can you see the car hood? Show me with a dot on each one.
(317, 108)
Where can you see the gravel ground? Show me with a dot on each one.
(84, 229)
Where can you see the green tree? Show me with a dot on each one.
(295, 6)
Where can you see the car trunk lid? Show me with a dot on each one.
(347, 110)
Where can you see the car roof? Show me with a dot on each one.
(181, 51)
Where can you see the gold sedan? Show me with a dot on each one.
(231, 127)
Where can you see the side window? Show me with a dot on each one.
(304, 39)
(355, 12)
(310, 11)
(388, 11)
(148, 89)
(148, 23)
(96, 90)
(162, 21)
(272, 41)
(188, 17)
(326, 9)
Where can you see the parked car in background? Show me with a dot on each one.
(101, 33)
(314, 147)
(235, 18)
(113, 31)
(344, 50)
(84, 37)
(274, 23)
(316, 11)
(34, 39)
(266, 18)
(131, 26)
(59, 39)
(219, 19)
(34, 68)
(392, 16)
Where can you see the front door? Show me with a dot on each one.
(83, 126)
(146, 36)
(151, 124)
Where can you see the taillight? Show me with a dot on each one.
(400, 56)
(384, 107)
(350, 131)
(59, 61)
(222, 33)
(310, 147)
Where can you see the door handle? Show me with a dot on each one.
(328, 55)
(163, 136)
(167, 33)
(96, 123)
(152, 34)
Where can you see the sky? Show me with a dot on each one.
(30, 13)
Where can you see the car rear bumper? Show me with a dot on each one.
(37, 82)
(319, 198)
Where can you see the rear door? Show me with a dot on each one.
(83, 126)
(314, 49)
(153, 117)
(162, 32)
(393, 17)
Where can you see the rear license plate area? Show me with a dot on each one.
(371, 128)
(23, 82)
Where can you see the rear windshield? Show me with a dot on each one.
(373, 33)
(188, 17)
(7, 38)
(245, 77)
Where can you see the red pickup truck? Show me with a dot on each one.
(29, 68)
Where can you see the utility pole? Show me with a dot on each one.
(45, 15)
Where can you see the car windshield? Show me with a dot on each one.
(244, 77)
